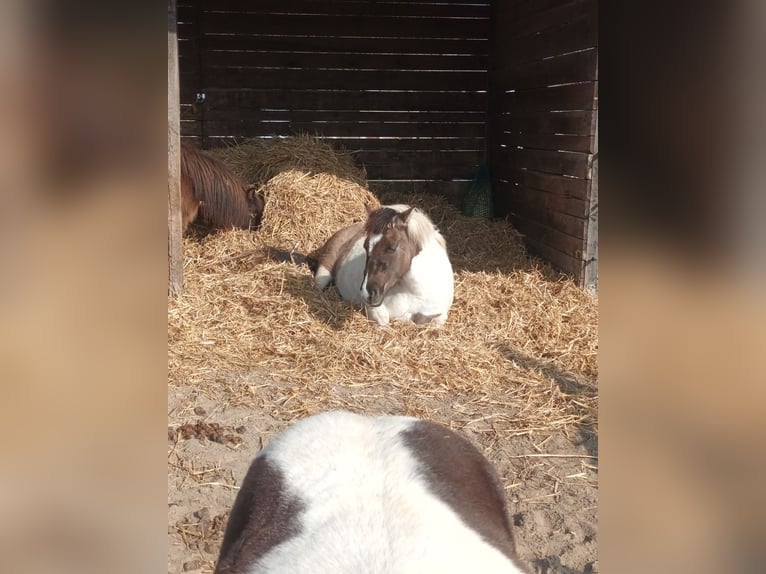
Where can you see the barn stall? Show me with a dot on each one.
(424, 93)
(405, 101)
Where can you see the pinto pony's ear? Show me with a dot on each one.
(404, 216)
(370, 208)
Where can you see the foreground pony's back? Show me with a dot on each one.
(395, 264)
(341, 493)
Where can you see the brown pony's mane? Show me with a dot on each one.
(223, 194)
(419, 227)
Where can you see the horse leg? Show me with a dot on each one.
(189, 203)
(378, 315)
(322, 278)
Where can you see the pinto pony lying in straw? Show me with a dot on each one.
(341, 493)
(395, 264)
(220, 198)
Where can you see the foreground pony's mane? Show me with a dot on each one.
(223, 194)
(420, 229)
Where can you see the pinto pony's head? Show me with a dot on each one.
(395, 234)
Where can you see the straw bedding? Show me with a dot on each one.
(518, 350)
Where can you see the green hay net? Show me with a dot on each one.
(477, 201)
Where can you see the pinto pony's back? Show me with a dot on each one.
(210, 189)
(341, 493)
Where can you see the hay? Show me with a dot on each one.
(309, 188)
(258, 160)
(301, 207)
(517, 354)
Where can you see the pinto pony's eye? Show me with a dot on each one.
(393, 247)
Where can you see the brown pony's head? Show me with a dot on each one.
(256, 204)
(390, 250)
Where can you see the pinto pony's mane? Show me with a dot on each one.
(223, 195)
(419, 228)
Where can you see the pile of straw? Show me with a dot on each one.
(517, 354)
(309, 188)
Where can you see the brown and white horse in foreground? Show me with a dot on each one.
(221, 199)
(395, 264)
(341, 493)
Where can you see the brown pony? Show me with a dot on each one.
(220, 198)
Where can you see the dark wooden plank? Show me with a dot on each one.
(468, 158)
(189, 75)
(189, 112)
(533, 17)
(188, 92)
(186, 14)
(192, 139)
(569, 68)
(250, 128)
(191, 128)
(348, 79)
(452, 190)
(522, 207)
(564, 163)
(564, 186)
(547, 142)
(541, 200)
(343, 99)
(430, 145)
(543, 234)
(329, 61)
(355, 144)
(333, 116)
(572, 123)
(345, 26)
(399, 164)
(479, 46)
(189, 87)
(188, 49)
(517, 9)
(561, 261)
(423, 171)
(558, 98)
(362, 8)
(577, 35)
(188, 30)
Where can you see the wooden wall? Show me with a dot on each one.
(542, 126)
(404, 84)
(422, 91)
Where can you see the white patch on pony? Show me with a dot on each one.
(322, 278)
(366, 506)
(350, 273)
(373, 241)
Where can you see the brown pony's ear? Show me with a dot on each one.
(370, 208)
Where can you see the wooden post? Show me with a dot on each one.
(175, 244)
(590, 257)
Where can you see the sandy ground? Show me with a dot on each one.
(550, 479)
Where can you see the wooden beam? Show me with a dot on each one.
(590, 257)
(175, 245)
